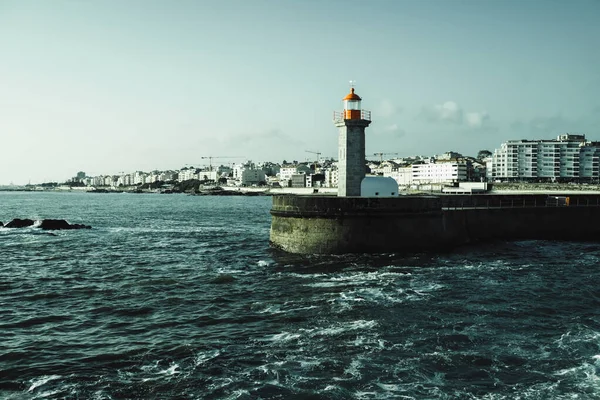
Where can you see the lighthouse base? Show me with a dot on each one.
(332, 225)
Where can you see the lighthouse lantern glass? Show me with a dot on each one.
(352, 104)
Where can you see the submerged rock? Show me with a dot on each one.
(46, 224)
(57, 224)
(19, 223)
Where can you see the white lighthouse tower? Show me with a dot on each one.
(351, 124)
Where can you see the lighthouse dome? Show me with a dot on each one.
(352, 96)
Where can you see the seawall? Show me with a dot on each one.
(330, 225)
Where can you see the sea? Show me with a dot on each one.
(181, 297)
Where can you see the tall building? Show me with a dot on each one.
(351, 123)
(589, 161)
(566, 158)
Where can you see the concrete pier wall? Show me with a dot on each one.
(560, 223)
(330, 225)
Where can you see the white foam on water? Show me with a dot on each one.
(35, 383)
(323, 284)
(47, 394)
(379, 295)
(376, 276)
(277, 309)
(147, 368)
(221, 383)
(238, 393)
(172, 370)
(390, 387)
(342, 328)
(424, 288)
(99, 395)
(439, 355)
(272, 309)
(205, 356)
(263, 263)
(284, 337)
(360, 394)
(309, 364)
(584, 376)
(372, 343)
(302, 276)
(393, 390)
(354, 369)
(356, 279)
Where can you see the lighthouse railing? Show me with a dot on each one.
(339, 116)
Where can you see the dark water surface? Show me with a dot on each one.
(174, 296)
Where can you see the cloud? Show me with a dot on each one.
(395, 130)
(386, 109)
(451, 112)
(476, 119)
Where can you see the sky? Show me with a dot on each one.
(105, 86)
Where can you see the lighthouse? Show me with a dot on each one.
(351, 123)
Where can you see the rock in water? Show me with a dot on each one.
(19, 223)
(57, 224)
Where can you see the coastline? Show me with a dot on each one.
(504, 188)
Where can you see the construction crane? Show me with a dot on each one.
(383, 154)
(210, 158)
(318, 153)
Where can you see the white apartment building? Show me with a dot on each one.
(152, 177)
(167, 176)
(286, 171)
(439, 172)
(207, 175)
(186, 174)
(544, 159)
(387, 167)
(139, 178)
(247, 174)
(331, 178)
(589, 161)
(94, 181)
(309, 182)
(402, 175)
(124, 180)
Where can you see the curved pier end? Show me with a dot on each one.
(332, 225)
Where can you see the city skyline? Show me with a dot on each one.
(111, 86)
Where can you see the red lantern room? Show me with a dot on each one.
(352, 106)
